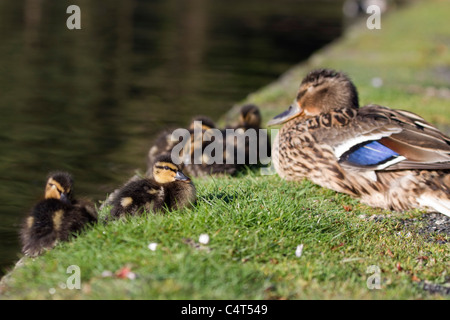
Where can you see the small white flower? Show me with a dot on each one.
(377, 82)
(203, 239)
(299, 251)
(52, 290)
(152, 246)
(107, 274)
(131, 275)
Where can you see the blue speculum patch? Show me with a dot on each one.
(369, 154)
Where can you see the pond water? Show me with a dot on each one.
(90, 101)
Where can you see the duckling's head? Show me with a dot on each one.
(59, 186)
(321, 91)
(165, 171)
(204, 122)
(250, 116)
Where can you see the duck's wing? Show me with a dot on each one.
(379, 138)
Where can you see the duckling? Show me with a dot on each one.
(169, 187)
(249, 117)
(256, 138)
(55, 218)
(202, 156)
(205, 123)
(164, 143)
(192, 156)
(392, 159)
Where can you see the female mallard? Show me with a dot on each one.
(55, 218)
(169, 188)
(392, 159)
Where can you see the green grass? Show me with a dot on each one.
(256, 222)
(410, 53)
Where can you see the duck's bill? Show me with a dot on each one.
(293, 111)
(181, 177)
(64, 198)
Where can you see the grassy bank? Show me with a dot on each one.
(256, 223)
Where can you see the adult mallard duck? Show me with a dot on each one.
(392, 159)
(56, 218)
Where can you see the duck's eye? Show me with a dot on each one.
(166, 168)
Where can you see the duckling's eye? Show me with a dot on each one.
(166, 168)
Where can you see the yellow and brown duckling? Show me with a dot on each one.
(256, 139)
(56, 218)
(392, 159)
(169, 188)
(249, 118)
(200, 134)
(164, 144)
(207, 150)
(205, 123)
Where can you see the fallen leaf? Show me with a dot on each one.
(347, 208)
(421, 258)
(125, 273)
(338, 246)
(389, 252)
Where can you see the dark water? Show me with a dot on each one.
(90, 101)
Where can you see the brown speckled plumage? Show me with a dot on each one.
(315, 144)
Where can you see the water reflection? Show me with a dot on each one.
(90, 101)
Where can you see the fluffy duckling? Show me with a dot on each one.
(204, 122)
(168, 187)
(234, 146)
(55, 218)
(194, 161)
(392, 159)
(164, 144)
(249, 117)
(249, 125)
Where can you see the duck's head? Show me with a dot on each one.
(320, 91)
(166, 171)
(59, 186)
(204, 122)
(250, 116)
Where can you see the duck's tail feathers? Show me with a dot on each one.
(435, 203)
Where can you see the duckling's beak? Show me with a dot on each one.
(293, 111)
(181, 177)
(64, 198)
